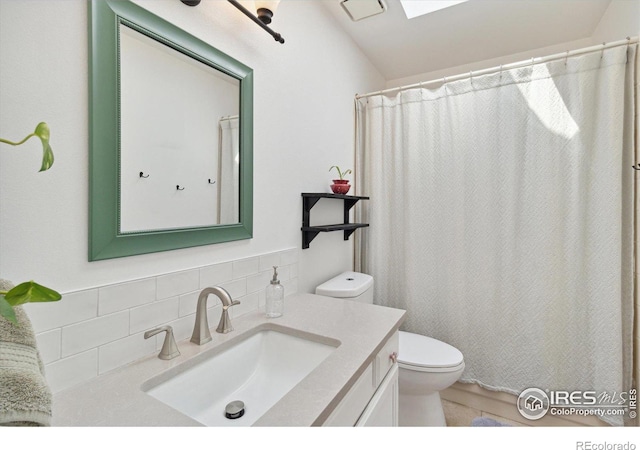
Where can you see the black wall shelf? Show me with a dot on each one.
(310, 232)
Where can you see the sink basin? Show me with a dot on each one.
(257, 370)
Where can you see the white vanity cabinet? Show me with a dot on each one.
(373, 399)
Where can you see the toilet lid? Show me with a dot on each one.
(423, 351)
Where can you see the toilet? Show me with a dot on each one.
(426, 365)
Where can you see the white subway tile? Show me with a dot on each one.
(183, 327)
(188, 303)
(258, 282)
(68, 372)
(289, 256)
(262, 298)
(290, 287)
(215, 274)
(150, 316)
(126, 350)
(118, 297)
(73, 307)
(245, 267)
(92, 333)
(284, 273)
(247, 304)
(49, 345)
(267, 261)
(178, 283)
(236, 288)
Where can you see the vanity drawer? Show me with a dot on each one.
(385, 359)
(357, 401)
(350, 408)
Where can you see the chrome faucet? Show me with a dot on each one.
(201, 334)
(169, 347)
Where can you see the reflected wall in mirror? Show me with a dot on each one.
(171, 111)
(171, 161)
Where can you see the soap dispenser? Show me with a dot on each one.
(275, 296)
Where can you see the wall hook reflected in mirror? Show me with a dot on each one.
(179, 188)
(142, 175)
(212, 182)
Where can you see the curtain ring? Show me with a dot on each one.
(602, 52)
(566, 58)
(628, 45)
(500, 71)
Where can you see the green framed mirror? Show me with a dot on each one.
(170, 134)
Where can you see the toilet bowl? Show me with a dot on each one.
(426, 365)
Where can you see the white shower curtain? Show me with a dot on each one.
(501, 219)
(228, 168)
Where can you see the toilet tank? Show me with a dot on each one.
(350, 286)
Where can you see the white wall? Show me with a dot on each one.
(488, 63)
(303, 113)
(621, 19)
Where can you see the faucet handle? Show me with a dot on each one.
(233, 303)
(169, 346)
(224, 326)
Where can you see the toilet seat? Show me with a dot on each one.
(425, 354)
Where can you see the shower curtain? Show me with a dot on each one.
(501, 219)
(228, 168)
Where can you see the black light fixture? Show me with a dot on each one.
(264, 10)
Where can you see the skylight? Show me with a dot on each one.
(415, 8)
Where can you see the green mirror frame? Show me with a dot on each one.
(105, 240)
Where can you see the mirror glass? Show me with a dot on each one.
(171, 136)
(179, 149)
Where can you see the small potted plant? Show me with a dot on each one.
(340, 186)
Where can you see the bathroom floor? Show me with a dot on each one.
(458, 415)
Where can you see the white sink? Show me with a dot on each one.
(258, 370)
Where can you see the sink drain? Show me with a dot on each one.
(234, 410)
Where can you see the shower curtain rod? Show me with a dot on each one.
(228, 118)
(529, 62)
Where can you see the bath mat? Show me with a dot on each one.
(487, 422)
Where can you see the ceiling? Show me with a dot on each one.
(467, 32)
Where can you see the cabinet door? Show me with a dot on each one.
(382, 410)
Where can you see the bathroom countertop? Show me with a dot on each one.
(116, 398)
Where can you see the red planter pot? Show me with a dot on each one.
(340, 186)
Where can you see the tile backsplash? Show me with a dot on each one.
(92, 331)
